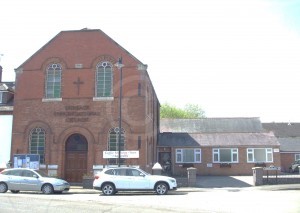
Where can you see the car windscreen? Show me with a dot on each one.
(41, 173)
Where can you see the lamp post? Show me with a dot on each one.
(119, 65)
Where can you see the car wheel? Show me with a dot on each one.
(15, 191)
(108, 189)
(3, 188)
(161, 188)
(47, 189)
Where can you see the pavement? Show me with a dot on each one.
(208, 183)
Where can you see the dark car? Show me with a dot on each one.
(295, 166)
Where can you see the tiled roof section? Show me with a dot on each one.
(282, 130)
(217, 140)
(7, 86)
(211, 125)
(291, 144)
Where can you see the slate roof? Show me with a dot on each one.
(283, 129)
(7, 87)
(212, 125)
(288, 135)
(217, 139)
(290, 144)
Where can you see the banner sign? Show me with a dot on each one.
(124, 154)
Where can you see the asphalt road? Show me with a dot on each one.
(249, 199)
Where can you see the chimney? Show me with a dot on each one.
(0, 74)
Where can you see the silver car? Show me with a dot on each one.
(22, 179)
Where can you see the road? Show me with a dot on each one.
(215, 200)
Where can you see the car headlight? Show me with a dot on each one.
(172, 180)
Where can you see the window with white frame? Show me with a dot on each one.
(297, 156)
(188, 155)
(259, 155)
(225, 155)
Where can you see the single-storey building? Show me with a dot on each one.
(288, 135)
(216, 146)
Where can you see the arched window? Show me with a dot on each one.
(37, 140)
(113, 144)
(104, 79)
(53, 81)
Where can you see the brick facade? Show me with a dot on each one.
(78, 111)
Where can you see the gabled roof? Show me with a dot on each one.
(82, 34)
(289, 144)
(212, 125)
(282, 130)
(217, 140)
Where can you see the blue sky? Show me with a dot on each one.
(234, 58)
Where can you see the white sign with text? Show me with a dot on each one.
(124, 154)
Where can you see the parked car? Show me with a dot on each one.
(295, 166)
(22, 179)
(112, 180)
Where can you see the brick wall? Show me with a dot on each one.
(98, 117)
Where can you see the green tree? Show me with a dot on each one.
(189, 111)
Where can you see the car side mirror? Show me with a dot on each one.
(142, 175)
(35, 176)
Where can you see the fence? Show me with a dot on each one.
(273, 176)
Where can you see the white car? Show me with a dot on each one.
(22, 179)
(112, 180)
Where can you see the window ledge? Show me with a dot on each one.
(51, 99)
(103, 98)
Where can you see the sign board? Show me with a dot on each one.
(31, 161)
(124, 154)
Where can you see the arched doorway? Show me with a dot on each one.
(76, 158)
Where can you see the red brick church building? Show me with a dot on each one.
(67, 106)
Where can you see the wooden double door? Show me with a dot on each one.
(76, 158)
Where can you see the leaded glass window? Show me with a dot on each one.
(104, 79)
(37, 140)
(113, 143)
(53, 81)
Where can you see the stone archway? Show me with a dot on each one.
(76, 150)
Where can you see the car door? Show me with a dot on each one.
(13, 179)
(138, 180)
(119, 178)
(30, 181)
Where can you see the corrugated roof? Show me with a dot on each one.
(211, 125)
(289, 144)
(217, 139)
(283, 129)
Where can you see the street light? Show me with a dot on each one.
(119, 65)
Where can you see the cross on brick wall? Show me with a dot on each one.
(78, 83)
